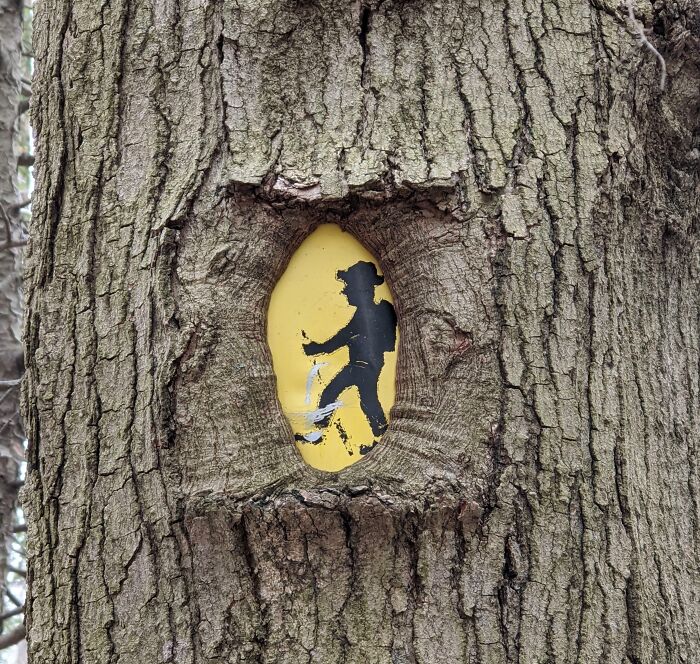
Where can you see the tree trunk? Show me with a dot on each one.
(11, 353)
(531, 195)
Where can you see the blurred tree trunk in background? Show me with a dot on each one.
(532, 196)
(11, 352)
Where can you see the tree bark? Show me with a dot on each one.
(531, 195)
(11, 352)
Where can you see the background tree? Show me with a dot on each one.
(532, 197)
(14, 94)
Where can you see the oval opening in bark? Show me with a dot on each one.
(333, 335)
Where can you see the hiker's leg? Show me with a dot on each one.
(340, 382)
(369, 401)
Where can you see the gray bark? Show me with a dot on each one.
(532, 198)
(11, 353)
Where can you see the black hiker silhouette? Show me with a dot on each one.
(370, 333)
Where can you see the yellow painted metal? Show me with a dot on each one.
(309, 305)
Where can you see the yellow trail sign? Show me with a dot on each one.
(333, 336)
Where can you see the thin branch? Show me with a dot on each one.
(17, 571)
(25, 159)
(640, 34)
(20, 528)
(17, 545)
(18, 610)
(10, 383)
(13, 598)
(14, 244)
(9, 421)
(12, 638)
(10, 243)
(22, 204)
(7, 223)
(5, 394)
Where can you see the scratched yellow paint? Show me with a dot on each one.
(307, 305)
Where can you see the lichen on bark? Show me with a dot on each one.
(532, 200)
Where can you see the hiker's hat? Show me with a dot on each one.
(360, 274)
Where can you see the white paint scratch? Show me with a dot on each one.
(312, 436)
(317, 415)
(313, 372)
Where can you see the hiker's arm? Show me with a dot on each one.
(338, 340)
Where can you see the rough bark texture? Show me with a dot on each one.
(532, 197)
(11, 352)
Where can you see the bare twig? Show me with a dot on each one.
(17, 611)
(13, 598)
(22, 204)
(10, 383)
(640, 34)
(17, 546)
(7, 223)
(6, 393)
(17, 571)
(20, 528)
(17, 454)
(13, 245)
(25, 159)
(9, 243)
(12, 638)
